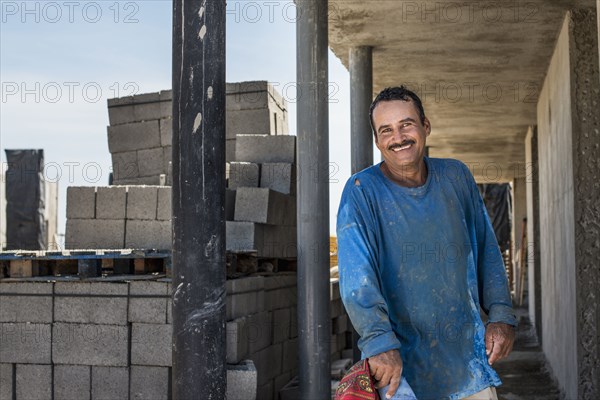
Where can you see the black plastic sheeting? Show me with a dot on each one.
(25, 200)
(498, 202)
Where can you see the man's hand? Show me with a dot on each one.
(499, 339)
(386, 369)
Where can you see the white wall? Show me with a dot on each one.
(557, 231)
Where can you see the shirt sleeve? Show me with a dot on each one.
(494, 294)
(359, 275)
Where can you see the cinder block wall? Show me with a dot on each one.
(112, 339)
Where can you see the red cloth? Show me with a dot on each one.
(357, 384)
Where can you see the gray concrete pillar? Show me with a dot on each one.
(361, 96)
(534, 288)
(568, 151)
(314, 324)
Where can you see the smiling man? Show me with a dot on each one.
(418, 259)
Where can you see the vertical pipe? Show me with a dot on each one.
(199, 354)
(361, 96)
(314, 323)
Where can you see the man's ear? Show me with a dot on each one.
(427, 126)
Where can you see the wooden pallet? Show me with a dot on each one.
(83, 263)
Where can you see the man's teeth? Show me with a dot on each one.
(406, 146)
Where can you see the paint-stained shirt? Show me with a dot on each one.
(416, 265)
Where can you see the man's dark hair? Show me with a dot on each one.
(396, 93)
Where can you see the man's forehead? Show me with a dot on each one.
(405, 108)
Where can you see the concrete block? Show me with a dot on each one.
(25, 343)
(265, 148)
(154, 180)
(81, 202)
(243, 174)
(148, 235)
(169, 311)
(262, 205)
(242, 304)
(133, 136)
(242, 381)
(340, 324)
(259, 331)
(72, 382)
(167, 158)
(268, 362)
(166, 95)
(247, 99)
(164, 209)
(111, 202)
(339, 367)
(95, 234)
(230, 150)
(237, 340)
(125, 165)
(281, 325)
(151, 344)
(280, 177)
(36, 309)
(334, 289)
(281, 298)
(290, 355)
(85, 344)
(110, 383)
(151, 162)
(336, 308)
(139, 112)
(246, 284)
(279, 382)
(229, 204)
(34, 382)
(268, 240)
(294, 323)
(150, 383)
(91, 310)
(148, 310)
(279, 281)
(348, 353)
(258, 121)
(265, 391)
(166, 132)
(135, 99)
(6, 382)
(142, 202)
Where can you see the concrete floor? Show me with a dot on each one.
(524, 373)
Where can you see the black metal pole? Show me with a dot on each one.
(361, 96)
(314, 323)
(199, 354)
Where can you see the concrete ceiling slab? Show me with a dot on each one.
(478, 66)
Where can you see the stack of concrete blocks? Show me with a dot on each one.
(118, 217)
(262, 181)
(139, 138)
(99, 340)
(140, 131)
(262, 326)
(2, 209)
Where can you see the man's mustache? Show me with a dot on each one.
(401, 144)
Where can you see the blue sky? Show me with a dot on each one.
(61, 61)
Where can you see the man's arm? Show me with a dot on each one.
(360, 288)
(494, 294)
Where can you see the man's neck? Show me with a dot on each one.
(406, 175)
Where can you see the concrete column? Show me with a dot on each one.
(198, 200)
(314, 324)
(519, 213)
(534, 288)
(361, 96)
(569, 150)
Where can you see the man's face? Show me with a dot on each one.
(400, 135)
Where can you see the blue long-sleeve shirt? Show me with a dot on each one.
(416, 265)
